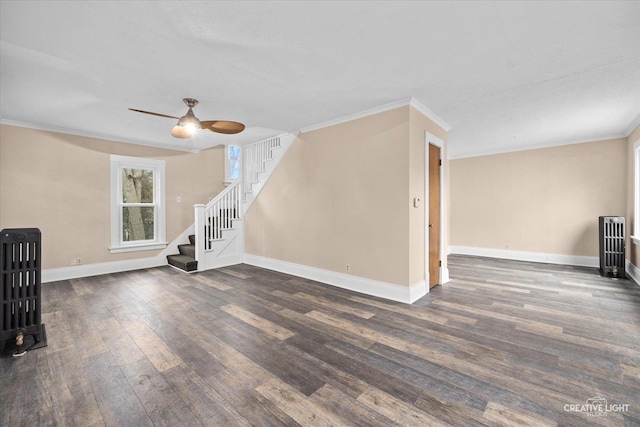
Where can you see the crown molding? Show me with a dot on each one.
(634, 124)
(429, 114)
(506, 150)
(95, 135)
(381, 109)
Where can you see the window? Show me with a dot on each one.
(232, 163)
(137, 204)
(635, 236)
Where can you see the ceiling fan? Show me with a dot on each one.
(189, 124)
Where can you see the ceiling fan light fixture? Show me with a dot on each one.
(189, 124)
(179, 131)
(189, 121)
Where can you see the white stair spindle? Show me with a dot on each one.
(200, 236)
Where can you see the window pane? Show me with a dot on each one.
(137, 223)
(235, 169)
(234, 152)
(137, 185)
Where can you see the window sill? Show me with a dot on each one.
(635, 240)
(140, 247)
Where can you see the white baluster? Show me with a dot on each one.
(200, 236)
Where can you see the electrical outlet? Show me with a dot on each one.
(78, 261)
(178, 199)
(347, 267)
(73, 261)
(506, 246)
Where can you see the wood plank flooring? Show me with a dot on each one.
(503, 343)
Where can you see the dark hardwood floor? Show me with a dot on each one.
(504, 343)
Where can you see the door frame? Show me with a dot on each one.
(443, 272)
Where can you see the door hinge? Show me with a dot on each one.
(439, 263)
(440, 162)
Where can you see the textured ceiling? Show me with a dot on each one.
(503, 75)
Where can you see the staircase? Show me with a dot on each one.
(186, 259)
(218, 240)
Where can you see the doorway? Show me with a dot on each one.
(434, 217)
(435, 201)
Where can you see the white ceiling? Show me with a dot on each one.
(504, 75)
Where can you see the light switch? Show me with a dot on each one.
(416, 202)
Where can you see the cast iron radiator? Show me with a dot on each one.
(20, 285)
(611, 230)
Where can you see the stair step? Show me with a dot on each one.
(189, 250)
(183, 262)
(192, 239)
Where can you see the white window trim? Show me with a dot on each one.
(227, 164)
(116, 164)
(635, 236)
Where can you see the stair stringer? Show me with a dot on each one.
(172, 247)
(227, 251)
(270, 166)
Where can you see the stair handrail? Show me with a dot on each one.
(252, 159)
(223, 193)
(208, 220)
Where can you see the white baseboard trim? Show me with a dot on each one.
(225, 261)
(444, 275)
(583, 261)
(86, 270)
(633, 272)
(416, 291)
(371, 287)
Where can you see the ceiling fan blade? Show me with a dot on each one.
(221, 126)
(154, 114)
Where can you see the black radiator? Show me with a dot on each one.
(20, 283)
(612, 259)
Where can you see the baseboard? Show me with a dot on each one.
(87, 270)
(225, 261)
(633, 272)
(375, 288)
(78, 271)
(416, 291)
(444, 275)
(583, 261)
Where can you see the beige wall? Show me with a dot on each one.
(546, 200)
(342, 195)
(633, 252)
(60, 184)
(419, 124)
